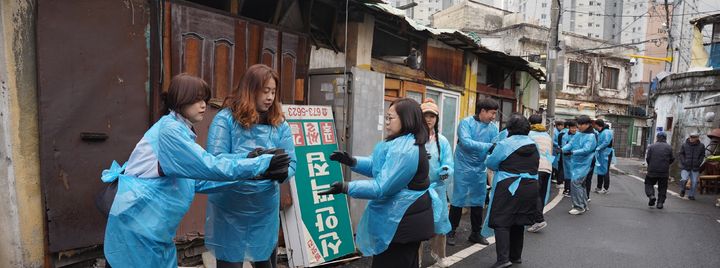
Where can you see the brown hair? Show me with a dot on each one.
(185, 90)
(242, 102)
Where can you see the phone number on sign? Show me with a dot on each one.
(307, 111)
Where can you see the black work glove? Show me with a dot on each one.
(444, 174)
(335, 188)
(255, 153)
(491, 149)
(278, 168)
(344, 158)
(568, 153)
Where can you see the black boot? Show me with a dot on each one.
(652, 201)
(659, 205)
(477, 238)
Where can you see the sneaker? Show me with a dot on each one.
(682, 193)
(576, 211)
(652, 201)
(451, 238)
(477, 238)
(501, 265)
(518, 261)
(597, 190)
(603, 191)
(566, 193)
(537, 227)
(589, 200)
(659, 205)
(441, 262)
(691, 197)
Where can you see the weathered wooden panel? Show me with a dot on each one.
(445, 65)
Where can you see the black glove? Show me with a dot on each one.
(567, 153)
(344, 158)
(278, 168)
(255, 153)
(491, 149)
(335, 188)
(446, 175)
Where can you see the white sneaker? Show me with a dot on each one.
(441, 263)
(602, 191)
(589, 200)
(597, 190)
(576, 211)
(537, 227)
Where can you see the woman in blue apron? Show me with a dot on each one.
(514, 195)
(399, 215)
(243, 223)
(441, 168)
(158, 183)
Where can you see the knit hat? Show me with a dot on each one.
(429, 106)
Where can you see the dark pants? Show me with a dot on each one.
(398, 255)
(558, 175)
(271, 263)
(544, 179)
(588, 178)
(604, 180)
(509, 243)
(475, 218)
(662, 183)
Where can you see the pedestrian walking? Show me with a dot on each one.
(604, 154)
(475, 134)
(441, 168)
(542, 139)
(557, 172)
(158, 183)
(581, 151)
(566, 138)
(399, 214)
(514, 194)
(659, 157)
(692, 154)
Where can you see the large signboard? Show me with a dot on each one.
(317, 227)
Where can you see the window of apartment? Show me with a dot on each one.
(613, 26)
(590, 24)
(615, 4)
(543, 16)
(613, 36)
(668, 123)
(591, 3)
(578, 73)
(544, 5)
(633, 29)
(597, 36)
(635, 7)
(610, 77)
(597, 25)
(589, 35)
(590, 14)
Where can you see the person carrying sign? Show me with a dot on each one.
(399, 215)
(157, 184)
(475, 136)
(514, 196)
(243, 222)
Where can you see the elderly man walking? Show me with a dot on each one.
(692, 154)
(659, 157)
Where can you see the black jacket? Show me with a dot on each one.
(659, 157)
(691, 155)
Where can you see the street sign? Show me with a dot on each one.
(317, 228)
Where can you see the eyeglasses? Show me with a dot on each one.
(389, 118)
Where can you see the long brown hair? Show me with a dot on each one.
(242, 102)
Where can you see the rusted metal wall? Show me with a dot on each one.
(445, 65)
(92, 59)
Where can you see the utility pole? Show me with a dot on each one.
(552, 79)
(669, 32)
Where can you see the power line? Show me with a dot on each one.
(628, 16)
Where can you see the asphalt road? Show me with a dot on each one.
(620, 230)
